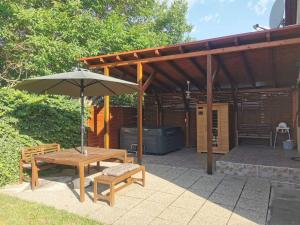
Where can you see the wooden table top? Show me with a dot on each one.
(74, 157)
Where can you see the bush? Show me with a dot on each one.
(27, 120)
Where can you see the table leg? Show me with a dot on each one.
(98, 166)
(81, 177)
(125, 157)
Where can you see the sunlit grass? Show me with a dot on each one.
(14, 211)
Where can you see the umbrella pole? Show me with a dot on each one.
(82, 117)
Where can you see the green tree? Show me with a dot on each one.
(40, 37)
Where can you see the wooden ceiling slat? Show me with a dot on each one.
(228, 75)
(167, 76)
(186, 75)
(273, 67)
(247, 66)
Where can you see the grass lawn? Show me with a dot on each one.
(14, 211)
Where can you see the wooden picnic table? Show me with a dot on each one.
(72, 157)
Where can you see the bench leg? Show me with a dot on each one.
(88, 169)
(98, 166)
(95, 191)
(21, 175)
(75, 170)
(112, 195)
(143, 176)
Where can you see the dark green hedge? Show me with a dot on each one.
(27, 120)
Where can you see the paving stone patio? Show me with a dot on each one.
(173, 195)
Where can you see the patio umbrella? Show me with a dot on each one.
(78, 84)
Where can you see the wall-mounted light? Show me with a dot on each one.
(188, 92)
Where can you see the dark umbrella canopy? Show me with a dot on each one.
(78, 84)
(70, 84)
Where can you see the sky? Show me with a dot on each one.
(216, 18)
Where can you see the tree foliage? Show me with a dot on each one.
(39, 37)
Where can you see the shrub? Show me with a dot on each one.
(27, 120)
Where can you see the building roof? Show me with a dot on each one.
(251, 60)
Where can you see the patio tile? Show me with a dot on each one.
(228, 190)
(187, 179)
(224, 199)
(214, 209)
(138, 192)
(204, 183)
(197, 194)
(173, 173)
(162, 198)
(107, 214)
(125, 202)
(134, 218)
(203, 192)
(258, 217)
(237, 219)
(150, 208)
(252, 204)
(234, 179)
(178, 215)
(173, 189)
(257, 195)
(159, 221)
(208, 220)
(192, 204)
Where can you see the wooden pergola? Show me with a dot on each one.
(257, 60)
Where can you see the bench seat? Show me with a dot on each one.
(255, 131)
(112, 181)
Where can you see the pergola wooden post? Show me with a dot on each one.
(140, 111)
(106, 114)
(209, 112)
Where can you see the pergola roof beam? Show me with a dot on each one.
(217, 51)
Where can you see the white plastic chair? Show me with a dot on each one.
(282, 128)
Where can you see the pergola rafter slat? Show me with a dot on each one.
(247, 66)
(186, 75)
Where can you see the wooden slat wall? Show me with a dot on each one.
(253, 107)
(119, 116)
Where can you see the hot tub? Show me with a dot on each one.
(157, 141)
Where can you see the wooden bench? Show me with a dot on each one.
(112, 181)
(255, 131)
(28, 153)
